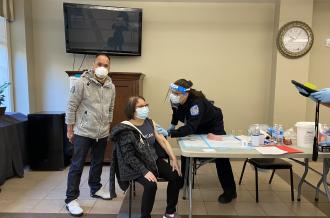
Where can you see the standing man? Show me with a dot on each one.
(88, 118)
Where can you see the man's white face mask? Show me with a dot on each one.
(101, 72)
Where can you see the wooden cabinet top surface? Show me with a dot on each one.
(112, 74)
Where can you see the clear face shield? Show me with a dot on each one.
(174, 94)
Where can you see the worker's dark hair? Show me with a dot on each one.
(102, 54)
(131, 106)
(188, 84)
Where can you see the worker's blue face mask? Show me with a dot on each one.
(142, 112)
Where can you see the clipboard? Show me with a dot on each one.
(303, 90)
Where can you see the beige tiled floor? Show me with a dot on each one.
(44, 192)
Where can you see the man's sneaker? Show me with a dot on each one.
(74, 208)
(101, 194)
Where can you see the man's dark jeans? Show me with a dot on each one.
(81, 146)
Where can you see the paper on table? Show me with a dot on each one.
(270, 150)
(227, 142)
(228, 138)
(194, 142)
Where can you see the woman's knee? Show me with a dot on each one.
(175, 178)
(150, 186)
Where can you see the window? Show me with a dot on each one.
(4, 62)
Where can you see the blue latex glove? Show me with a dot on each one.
(161, 130)
(323, 95)
(311, 97)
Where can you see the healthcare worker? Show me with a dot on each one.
(200, 116)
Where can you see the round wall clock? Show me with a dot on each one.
(295, 39)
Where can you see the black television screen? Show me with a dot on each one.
(91, 29)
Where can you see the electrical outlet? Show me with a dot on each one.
(327, 43)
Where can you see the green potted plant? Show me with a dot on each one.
(2, 97)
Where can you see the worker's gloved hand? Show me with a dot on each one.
(161, 130)
(311, 97)
(323, 95)
(171, 127)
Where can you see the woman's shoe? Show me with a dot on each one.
(226, 198)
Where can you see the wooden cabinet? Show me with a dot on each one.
(127, 85)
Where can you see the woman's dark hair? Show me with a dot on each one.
(131, 105)
(188, 84)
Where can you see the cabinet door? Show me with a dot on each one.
(124, 90)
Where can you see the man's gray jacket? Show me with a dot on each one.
(90, 107)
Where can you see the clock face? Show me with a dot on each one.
(295, 39)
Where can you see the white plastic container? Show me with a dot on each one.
(255, 140)
(305, 134)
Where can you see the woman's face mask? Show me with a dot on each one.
(142, 112)
(101, 72)
(175, 99)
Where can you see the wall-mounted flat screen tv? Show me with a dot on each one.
(91, 29)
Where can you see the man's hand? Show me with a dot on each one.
(150, 177)
(70, 133)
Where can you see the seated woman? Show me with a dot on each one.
(134, 142)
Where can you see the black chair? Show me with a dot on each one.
(268, 164)
(130, 189)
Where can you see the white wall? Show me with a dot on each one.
(320, 56)
(289, 106)
(224, 48)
